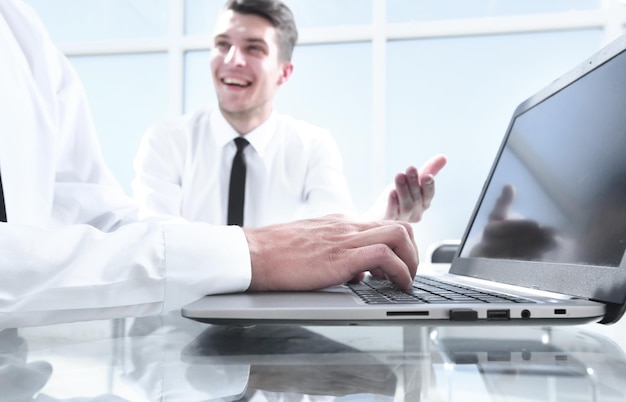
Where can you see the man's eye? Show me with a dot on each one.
(255, 49)
(222, 45)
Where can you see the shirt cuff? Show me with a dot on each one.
(202, 259)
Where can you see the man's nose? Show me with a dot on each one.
(234, 56)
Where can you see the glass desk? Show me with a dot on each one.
(169, 358)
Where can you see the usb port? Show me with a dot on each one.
(560, 311)
(498, 314)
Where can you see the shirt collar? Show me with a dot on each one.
(259, 138)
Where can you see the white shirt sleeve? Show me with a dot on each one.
(326, 187)
(70, 250)
(159, 165)
(80, 273)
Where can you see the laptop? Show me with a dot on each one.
(544, 245)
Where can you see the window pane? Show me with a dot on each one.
(199, 89)
(126, 94)
(86, 20)
(456, 96)
(424, 10)
(330, 13)
(201, 14)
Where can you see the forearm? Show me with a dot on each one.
(79, 273)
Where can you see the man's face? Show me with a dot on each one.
(245, 65)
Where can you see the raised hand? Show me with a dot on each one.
(414, 191)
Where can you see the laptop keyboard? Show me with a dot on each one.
(427, 290)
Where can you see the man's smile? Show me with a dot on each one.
(236, 82)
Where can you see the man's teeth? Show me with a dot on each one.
(235, 81)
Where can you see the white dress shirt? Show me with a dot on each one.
(294, 170)
(69, 250)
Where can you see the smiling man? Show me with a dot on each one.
(293, 169)
(248, 66)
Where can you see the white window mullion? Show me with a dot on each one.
(176, 56)
(379, 61)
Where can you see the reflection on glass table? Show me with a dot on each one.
(169, 358)
(290, 359)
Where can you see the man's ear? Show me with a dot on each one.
(286, 71)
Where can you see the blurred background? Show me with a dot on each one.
(396, 81)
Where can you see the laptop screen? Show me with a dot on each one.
(552, 214)
(558, 191)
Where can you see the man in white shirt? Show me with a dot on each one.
(72, 248)
(294, 169)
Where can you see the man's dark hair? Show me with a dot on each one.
(278, 14)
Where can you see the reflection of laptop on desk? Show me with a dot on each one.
(563, 156)
(529, 364)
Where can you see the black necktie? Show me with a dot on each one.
(237, 188)
(3, 212)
